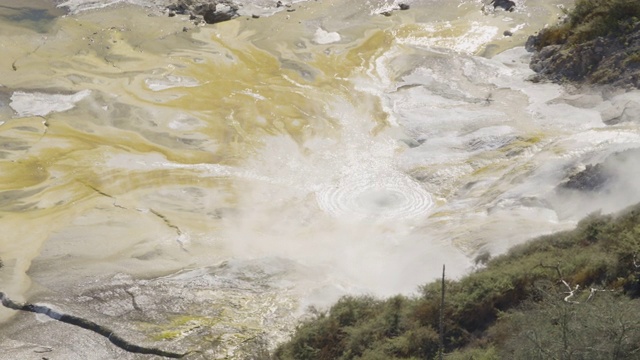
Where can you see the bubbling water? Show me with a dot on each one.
(380, 196)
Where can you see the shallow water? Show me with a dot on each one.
(367, 150)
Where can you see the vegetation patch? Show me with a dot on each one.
(590, 19)
(597, 42)
(542, 300)
(180, 326)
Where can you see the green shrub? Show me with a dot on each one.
(484, 309)
(474, 354)
(590, 19)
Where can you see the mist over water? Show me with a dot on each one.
(336, 149)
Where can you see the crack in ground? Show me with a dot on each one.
(14, 67)
(105, 194)
(166, 221)
(92, 326)
(154, 212)
(133, 300)
(171, 225)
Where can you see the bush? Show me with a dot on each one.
(484, 310)
(605, 328)
(590, 19)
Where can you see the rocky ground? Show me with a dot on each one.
(604, 176)
(200, 11)
(234, 310)
(597, 43)
(215, 11)
(606, 60)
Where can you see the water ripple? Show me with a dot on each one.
(376, 196)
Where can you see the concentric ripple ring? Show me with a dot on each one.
(379, 196)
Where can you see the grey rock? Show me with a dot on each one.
(507, 5)
(601, 176)
(592, 178)
(605, 60)
(531, 44)
(236, 307)
(212, 11)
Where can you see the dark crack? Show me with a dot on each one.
(99, 191)
(154, 212)
(43, 350)
(105, 194)
(90, 325)
(171, 225)
(166, 221)
(14, 67)
(133, 300)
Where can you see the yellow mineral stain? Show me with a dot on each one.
(110, 180)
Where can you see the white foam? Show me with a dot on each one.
(170, 81)
(324, 37)
(76, 6)
(470, 42)
(41, 104)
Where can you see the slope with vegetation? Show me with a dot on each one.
(598, 43)
(570, 295)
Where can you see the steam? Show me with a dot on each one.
(417, 154)
(616, 186)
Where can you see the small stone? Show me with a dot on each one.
(507, 33)
(291, 10)
(507, 5)
(535, 78)
(404, 6)
(192, 17)
(279, 4)
(185, 29)
(172, 14)
(255, 16)
(386, 13)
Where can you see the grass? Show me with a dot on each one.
(590, 19)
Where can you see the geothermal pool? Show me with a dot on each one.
(185, 183)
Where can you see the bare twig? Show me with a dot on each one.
(571, 293)
(594, 290)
